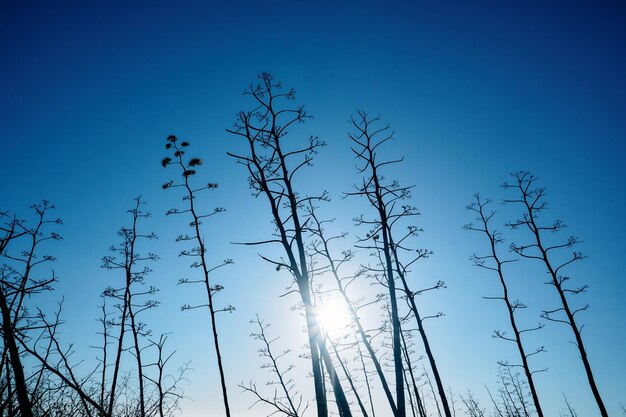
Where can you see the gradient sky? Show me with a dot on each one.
(90, 90)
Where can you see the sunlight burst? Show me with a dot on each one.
(333, 316)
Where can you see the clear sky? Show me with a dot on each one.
(90, 91)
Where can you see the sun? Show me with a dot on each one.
(333, 316)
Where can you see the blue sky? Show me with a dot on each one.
(91, 89)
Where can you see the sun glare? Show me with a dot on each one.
(333, 316)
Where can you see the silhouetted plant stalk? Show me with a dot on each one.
(188, 170)
(531, 198)
(384, 197)
(264, 129)
(50, 329)
(127, 259)
(14, 355)
(472, 407)
(37, 394)
(569, 410)
(493, 262)
(512, 395)
(285, 399)
(429, 383)
(366, 377)
(168, 390)
(55, 360)
(320, 247)
(8, 333)
(106, 324)
(413, 381)
(16, 284)
(51, 384)
(374, 192)
(348, 376)
(336, 342)
(452, 403)
(6, 390)
(407, 387)
(320, 297)
(417, 406)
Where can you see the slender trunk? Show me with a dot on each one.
(342, 402)
(408, 391)
(281, 381)
(161, 394)
(409, 366)
(160, 379)
(301, 278)
(104, 353)
(340, 398)
(14, 356)
(135, 332)
(209, 292)
(431, 358)
(389, 272)
(218, 353)
(366, 378)
(357, 321)
(371, 353)
(323, 375)
(118, 355)
(432, 390)
(511, 312)
(395, 319)
(317, 352)
(276, 168)
(520, 347)
(568, 313)
(9, 390)
(350, 381)
(429, 354)
(579, 340)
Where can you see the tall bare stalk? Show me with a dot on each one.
(386, 198)
(531, 199)
(494, 262)
(272, 165)
(187, 169)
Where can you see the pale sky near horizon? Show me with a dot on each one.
(92, 89)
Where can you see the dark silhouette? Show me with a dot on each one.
(531, 198)
(321, 248)
(384, 197)
(40, 374)
(264, 129)
(16, 284)
(493, 262)
(286, 399)
(127, 259)
(187, 170)
(168, 393)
